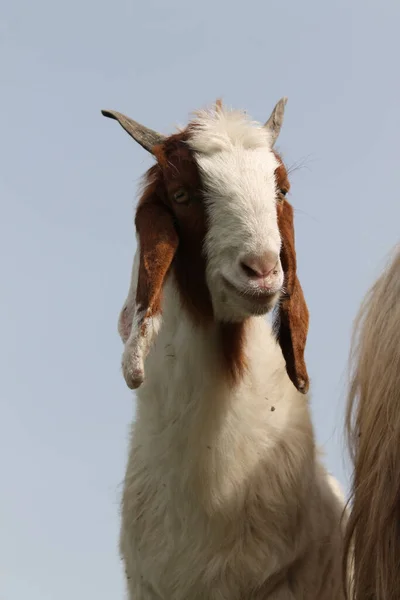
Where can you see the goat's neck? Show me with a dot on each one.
(186, 378)
(191, 419)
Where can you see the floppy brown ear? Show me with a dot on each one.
(140, 318)
(293, 317)
(157, 239)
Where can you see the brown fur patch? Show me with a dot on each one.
(293, 311)
(233, 341)
(180, 172)
(282, 179)
(293, 317)
(158, 243)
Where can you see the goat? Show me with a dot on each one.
(372, 542)
(224, 494)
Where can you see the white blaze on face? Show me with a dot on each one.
(237, 168)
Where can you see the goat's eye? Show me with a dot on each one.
(181, 196)
(281, 195)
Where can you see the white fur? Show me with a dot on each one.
(224, 496)
(221, 491)
(137, 332)
(144, 330)
(237, 168)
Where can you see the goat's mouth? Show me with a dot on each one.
(258, 301)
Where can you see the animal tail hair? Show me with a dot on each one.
(372, 540)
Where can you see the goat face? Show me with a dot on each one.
(242, 243)
(214, 211)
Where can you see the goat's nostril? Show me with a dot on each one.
(259, 267)
(250, 271)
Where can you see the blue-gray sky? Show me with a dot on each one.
(68, 180)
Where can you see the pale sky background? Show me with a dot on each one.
(68, 181)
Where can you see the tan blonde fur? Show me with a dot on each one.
(373, 433)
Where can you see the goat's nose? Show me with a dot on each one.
(259, 266)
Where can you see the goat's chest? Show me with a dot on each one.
(170, 542)
(196, 520)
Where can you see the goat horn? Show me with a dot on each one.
(144, 136)
(275, 121)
